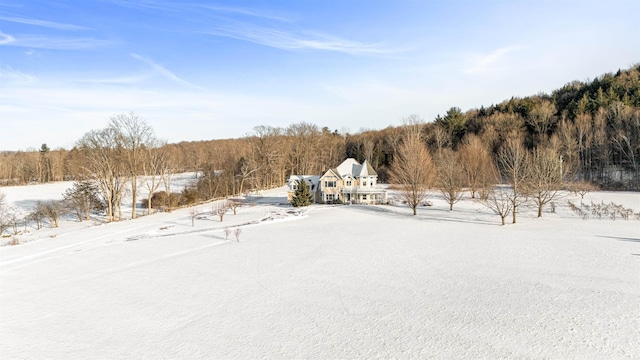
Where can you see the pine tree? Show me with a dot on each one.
(302, 195)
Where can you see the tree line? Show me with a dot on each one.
(593, 126)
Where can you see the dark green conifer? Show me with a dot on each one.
(302, 195)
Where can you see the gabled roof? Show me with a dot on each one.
(333, 172)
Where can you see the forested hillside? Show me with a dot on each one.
(593, 126)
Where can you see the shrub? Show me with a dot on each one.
(189, 196)
(164, 200)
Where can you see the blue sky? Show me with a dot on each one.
(199, 70)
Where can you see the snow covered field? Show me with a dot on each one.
(325, 282)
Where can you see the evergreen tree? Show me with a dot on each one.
(302, 195)
(454, 123)
(81, 198)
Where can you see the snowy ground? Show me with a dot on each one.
(325, 282)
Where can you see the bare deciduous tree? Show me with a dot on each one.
(268, 151)
(234, 205)
(9, 218)
(477, 165)
(37, 214)
(155, 168)
(450, 176)
(542, 118)
(103, 160)
(499, 200)
(237, 233)
(544, 179)
(413, 170)
(512, 160)
(441, 138)
(624, 132)
(133, 135)
(246, 171)
(582, 188)
(52, 210)
(220, 209)
(5, 215)
(304, 141)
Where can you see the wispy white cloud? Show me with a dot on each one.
(297, 40)
(120, 80)
(44, 23)
(197, 9)
(247, 24)
(53, 43)
(489, 62)
(247, 12)
(6, 38)
(9, 74)
(164, 72)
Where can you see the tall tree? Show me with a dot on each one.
(476, 164)
(133, 135)
(544, 179)
(454, 123)
(450, 176)
(624, 133)
(45, 164)
(512, 160)
(103, 160)
(541, 118)
(412, 169)
(156, 166)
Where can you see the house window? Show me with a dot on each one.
(371, 183)
(364, 197)
(364, 182)
(329, 197)
(313, 187)
(330, 184)
(348, 182)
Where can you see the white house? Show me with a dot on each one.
(349, 183)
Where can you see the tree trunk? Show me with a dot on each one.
(515, 208)
(110, 210)
(134, 196)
